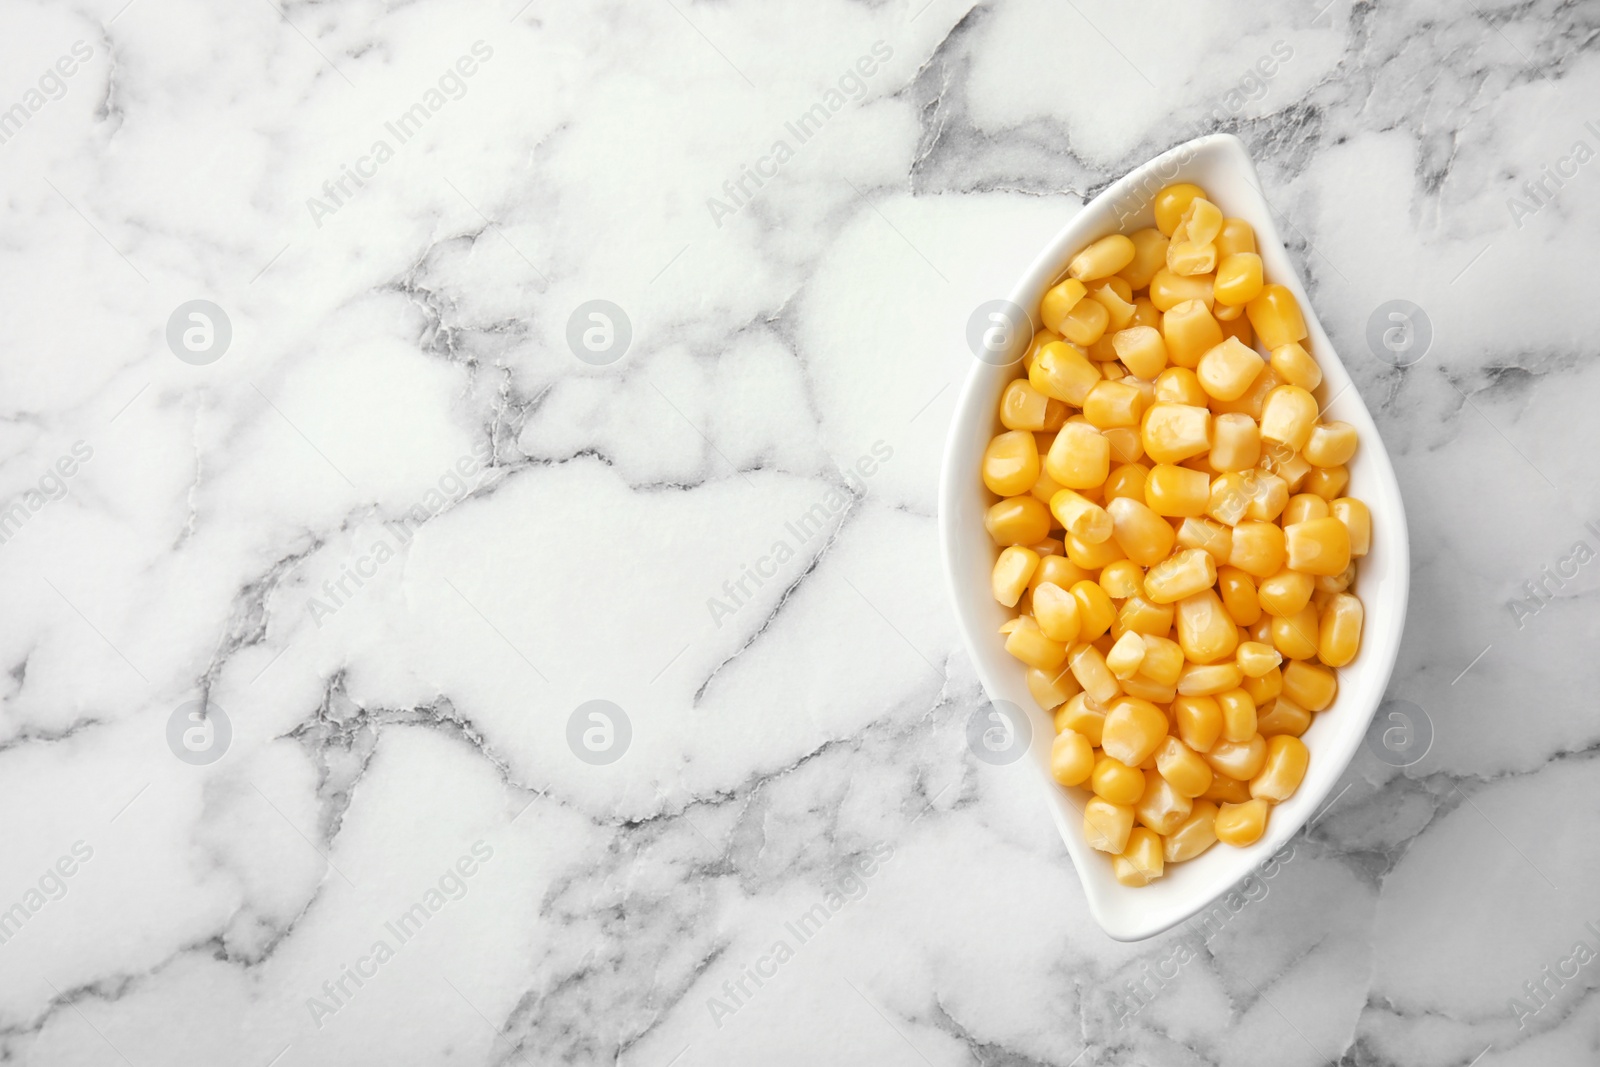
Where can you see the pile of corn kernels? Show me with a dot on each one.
(1174, 536)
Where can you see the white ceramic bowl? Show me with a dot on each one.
(1219, 164)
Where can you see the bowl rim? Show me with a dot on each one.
(1116, 908)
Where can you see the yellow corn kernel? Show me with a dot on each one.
(1288, 467)
(1102, 353)
(1102, 259)
(1257, 660)
(1304, 506)
(1161, 807)
(1080, 458)
(1339, 635)
(1140, 616)
(1089, 556)
(1116, 782)
(1149, 256)
(1062, 372)
(1210, 537)
(1206, 633)
(1113, 404)
(1122, 579)
(1089, 668)
(1236, 236)
(1296, 635)
(1288, 416)
(1017, 520)
(1287, 759)
(1173, 432)
(1240, 760)
(1142, 350)
(1357, 521)
(1176, 492)
(1238, 591)
(1082, 518)
(1201, 222)
(1011, 463)
(1258, 550)
(1198, 720)
(1163, 658)
(1188, 258)
(1209, 679)
(1178, 387)
(1295, 366)
(1141, 862)
(1058, 301)
(1238, 279)
(1285, 592)
(1310, 686)
(1228, 369)
(1267, 494)
(1275, 314)
(1189, 331)
(1115, 284)
(1266, 687)
(1106, 826)
(1181, 575)
(1125, 444)
(1029, 644)
(1331, 444)
(1145, 689)
(1235, 325)
(1127, 480)
(1044, 487)
(1080, 713)
(1172, 202)
(1229, 497)
(1194, 835)
(1317, 546)
(1282, 717)
(1147, 389)
(1145, 313)
(1235, 442)
(1022, 407)
(1133, 729)
(1040, 339)
(1241, 824)
(1238, 710)
(1126, 655)
(1059, 570)
(1119, 308)
(1071, 758)
(1084, 324)
(1011, 573)
(1182, 767)
(1225, 790)
(1168, 290)
(1048, 547)
(1092, 613)
(1201, 463)
(1328, 482)
(1051, 689)
(1056, 611)
(1144, 536)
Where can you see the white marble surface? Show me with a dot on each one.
(809, 739)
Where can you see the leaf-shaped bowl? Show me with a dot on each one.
(1219, 164)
